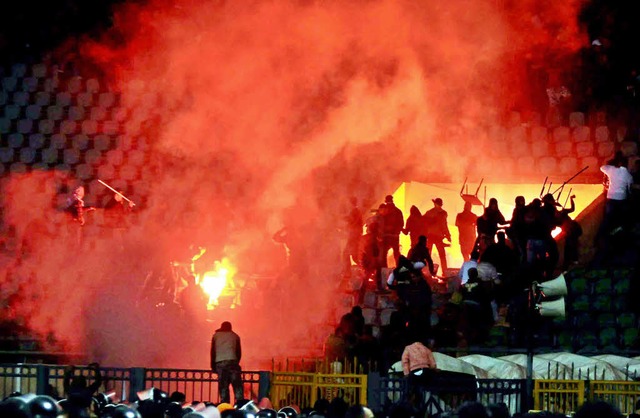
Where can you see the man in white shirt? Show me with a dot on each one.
(620, 181)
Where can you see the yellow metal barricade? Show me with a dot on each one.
(621, 394)
(304, 389)
(559, 396)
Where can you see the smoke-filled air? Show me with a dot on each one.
(255, 116)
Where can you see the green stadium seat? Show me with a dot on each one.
(50, 156)
(39, 70)
(89, 127)
(596, 274)
(46, 126)
(58, 141)
(85, 99)
(607, 337)
(27, 155)
(579, 286)
(36, 141)
(564, 340)
(627, 320)
(581, 304)
(74, 85)
(601, 303)
(63, 98)
(136, 158)
(50, 85)
(33, 112)
(102, 142)
(98, 113)
(106, 172)
(107, 100)
(128, 172)
(92, 85)
(4, 97)
(68, 127)
(83, 171)
(18, 167)
(603, 286)
(19, 70)
(115, 157)
(622, 286)
(9, 84)
(55, 112)
(80, 142)
(76, 113)
(20, 98)
(6, 155)
(43, 98)
(25, 126)
(12, 111)
(30, 84)
(71, 156)
(111, 128)
(498, 336)
(620, 303)
(15, 140)
(606, 320)
(5, 125)
(92, 156)
(630, 338)
(120, 114)
(585, 339)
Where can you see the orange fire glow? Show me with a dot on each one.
(215, 281)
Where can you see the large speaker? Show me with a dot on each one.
(552, 309)
(555, 287)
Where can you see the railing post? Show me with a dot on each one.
(373, 391)
(42, 379)
(136, 382)
(264, 384)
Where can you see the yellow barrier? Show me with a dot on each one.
(304, 389)
(559, 396)
(622, 395)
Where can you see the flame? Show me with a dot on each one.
(215, 281)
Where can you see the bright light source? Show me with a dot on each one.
(214, 282)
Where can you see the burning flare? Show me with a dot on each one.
(215, 281)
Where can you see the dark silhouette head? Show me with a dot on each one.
(225, 326)
(473, 275)
(356, 311)
(388, 199)
(520, 202)
(493, 203)
(501, 237)
(422, 240)
(437, 202)
(475, 255)
(414, 211)
(467, 206)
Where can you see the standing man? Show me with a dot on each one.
(466, 223)
(620, 181)
(392, 225)
(225, 361)
(437, 230)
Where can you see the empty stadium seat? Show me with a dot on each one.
(607, 338)
(42, 98)
(50, 155)
(63, 98)
(517, 134)
(15, 140)
(576, 119)
(92, 156)
(563, 149)
(106, 172)
(76, 113)
(85, 99)
(115, 157)
(136, 157)
(627, 320)
(12, 111)
(620, 303)
(601, 303)
(50, 85)
(45, 126)
(27, 155)
(55, 112)
(9, 84)
(36, 141)
(68, 127)
(585, 339)
(74, 85)
(629, 338)
(128, 172)
(98, 113)
(39, 70)
(520, 149)
(622, 286)
(6, 155)
(89, 127)
(80, 142)
(583, 320)
(581, 134)
(83, 171)
(30, 84)
(581, 304)
(602, 134)
(120, 114)
(18, 167)
(92, 85)
(19, 69)
(20, 98)
(547, 165)
(568, 165)
(585, 149)
(579, 286)
(102, 142)
(606, 320)
(5, 125)
(4, 97)
(33, 112)
(71, 156)
(25, 126)
(107, 99)
(606, 149)
(111, 128)
(58, 141)
(561, 134)
(629, 148)
(592, 163)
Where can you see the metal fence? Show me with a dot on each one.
(126, 383)
(304, 389)
(446, 393)
(559, 396)
(622, 395)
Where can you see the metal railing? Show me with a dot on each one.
(558, 396)
(622, 395)
(126, 383)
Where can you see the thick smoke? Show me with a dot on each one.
(257, 115)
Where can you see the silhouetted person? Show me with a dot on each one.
(226, 352)
(415, 225)
(619, 187)
(500, 255)
(420, 252)
(79, 394)
(516, 231)
(393, 223)
(477, 313)
(598, 409)
(437, 230)
(490, 221)
(572, 233)
(367, 349)
(353, 223)
(466, 223)
(116, 211)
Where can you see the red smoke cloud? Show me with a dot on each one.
(261, 114)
